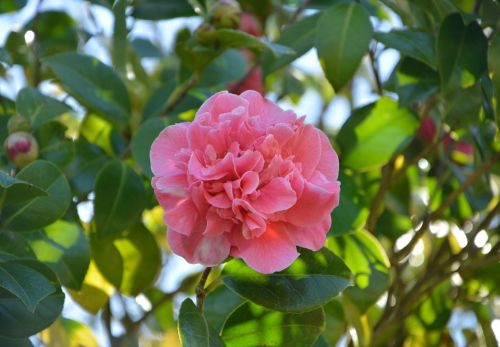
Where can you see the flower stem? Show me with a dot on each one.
(200, 289)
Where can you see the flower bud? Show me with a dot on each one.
(21, 148)
(462, 152)
(428, 129)
(18, 123)
(225, 14)
(205, 34)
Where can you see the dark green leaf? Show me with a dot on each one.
(130, 262)
(219, 305)
(83, 169)
(17, 321)
(253, 326)
(14, 245)
(299, 37)
(311, 281)
(372, 135)
(462, 106)
(30, 286)
(160, 9)
(93, 83)
(11, 5)
(142, 140)
(229, 38)
(53, 144)
(145, 48)
(20, 189)
(494, 67)
(413, 43)
(342, 37)
(64, 248)
(42, 210)
(38, 108)
(229, 67)
(5, 341)
(367, 260)
(119, 51)
(120, 198)
(461, 51)
(193, 328)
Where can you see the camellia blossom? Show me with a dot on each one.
(245, 179)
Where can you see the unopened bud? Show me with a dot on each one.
(18, 123)
(21, 148)
(205, 34)
(225, 14)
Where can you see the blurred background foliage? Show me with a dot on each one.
(409, 92)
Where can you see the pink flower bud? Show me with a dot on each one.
(225, 14)
(21, 148)
(250, 25)
(428, 129)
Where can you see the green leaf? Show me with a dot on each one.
(193, 328)
(120, 198)
(96, 85)
(142, 140)
(311, 281)
(14, 245)
(83, 169)
(160, 9)
(5, 341)
(19, 278)
(342, 37)
(373, 134)
(416, 44)
(145, 48)
(12, 5)
(435, 311)
(351, 214)
(461, 52)
(42, 210)
(130, 262)
(56, 32)
(299, 37)
(252, 325)
(494, 67)
(64, 248)
(53, 144)
(462, 107)
(228, 38)
(37, 107)
(228, 67)
(219, 305)
(20, 189)
(119, 51)
(368, 261)
(16, 321)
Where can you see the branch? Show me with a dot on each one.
(385, 182)
(179, 94)
(298, 11)
(378, 82)
(200, 289)
(445, 205)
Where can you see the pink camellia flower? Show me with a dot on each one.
(249, 24)
(245, 179)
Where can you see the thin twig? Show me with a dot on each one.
(298, 11)
(378, 82)
(385, 182)
(200, 289)
(178, 95)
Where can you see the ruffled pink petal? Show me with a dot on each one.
(271, 252)
(166, 146)
(182, 217)
(249, 182)
(306, 149)
(219, 103)
(328, 164)
(173, 183)
(276, 196)
(220, 200)
(313, 237)
(198, 248)
(217, 225)
(314, 204)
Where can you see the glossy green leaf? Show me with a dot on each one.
(16, 321)
(311, 281)
(145, 48)
(368, 261)
(53, 144)
(229, 38)
(42, 210)
(494, 66)
(14, 245)
(372, 135)
(12, 5)
(193, 328)
(299, 37)
(130, 262)
(20, 189)
(5, 341)
(143, 139)
(219, 305)
(19, 278)
(252, 325)
(351, 214)
(120, 198)
(64, 248)
(83, 169)
(461, 52)
(119, 51)
(229, 67)
(416, 44)
(160, 9)
(37, 107)
(96, 85)
(343, 33)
